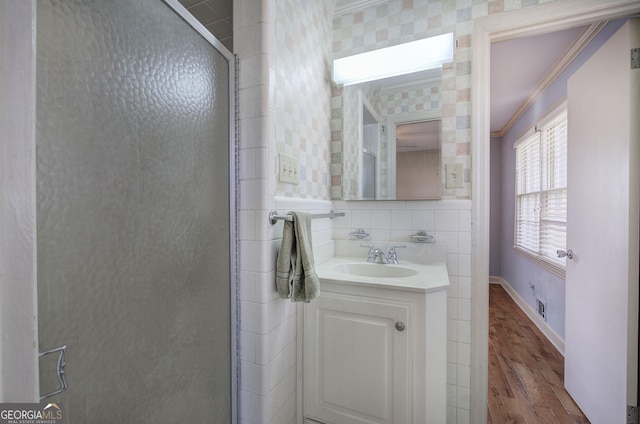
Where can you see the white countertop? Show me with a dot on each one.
(429, 277)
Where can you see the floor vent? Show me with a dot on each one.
(541, 307)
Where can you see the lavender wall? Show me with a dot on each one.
(516, 270)
(495, 223)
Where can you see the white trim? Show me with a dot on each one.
(352, 6)
(300, 363)
(553, 337)
(360, 188)
(560, 106)
(495, 280)
(557, 270)
(480, 215)
(532, 20)
(567, 58)
(19, 375)
(556, 114)
(419, 116)
(552, 114)
(392, 122)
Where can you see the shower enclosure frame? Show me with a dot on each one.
(233, 192)
(19, 373)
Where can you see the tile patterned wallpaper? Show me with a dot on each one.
(401, 102)
(400, 21)
(412, 100)
(345, 152)
(302, 120)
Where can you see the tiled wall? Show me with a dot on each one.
(284, 107)
(268, 323)
(449, 221)
(277, 112)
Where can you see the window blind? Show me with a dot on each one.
(541, 191)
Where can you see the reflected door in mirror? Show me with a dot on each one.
(418, 160)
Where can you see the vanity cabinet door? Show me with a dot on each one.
(357, 364)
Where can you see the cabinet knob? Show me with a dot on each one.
(400, 326)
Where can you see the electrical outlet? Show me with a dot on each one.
(455, 175)
(541, 308)
(289, 169)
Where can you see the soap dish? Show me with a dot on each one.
(422, 237)
(359, 234)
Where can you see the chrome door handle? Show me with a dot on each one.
(60, 372)
(562, 253)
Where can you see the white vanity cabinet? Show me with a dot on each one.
(375, 354)
(357, 365)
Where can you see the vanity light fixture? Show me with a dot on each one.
(400, 59)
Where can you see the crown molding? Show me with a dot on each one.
(569, 55)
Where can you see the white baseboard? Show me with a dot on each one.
(548, 332)
(495, 280)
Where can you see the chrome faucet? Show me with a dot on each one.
(392, 257)
(377, 256)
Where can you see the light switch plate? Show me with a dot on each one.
(455, 175)
(289, 169)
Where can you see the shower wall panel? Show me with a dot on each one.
(133, 213)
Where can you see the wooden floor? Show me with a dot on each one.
(525, 371)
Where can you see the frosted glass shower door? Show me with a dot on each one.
(133, 213)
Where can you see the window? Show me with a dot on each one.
(541, 194)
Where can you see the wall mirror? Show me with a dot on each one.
(391, 131)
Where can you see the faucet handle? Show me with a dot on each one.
(373, 252)
(393, 255)
(397, 246)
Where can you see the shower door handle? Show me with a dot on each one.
(59, 371)
(562, 253)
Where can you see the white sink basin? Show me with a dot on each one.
(407, 275)
(375, 270)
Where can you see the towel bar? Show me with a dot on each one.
(274, 217)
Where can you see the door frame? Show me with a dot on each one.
(19, 364)
(534, 20)
(18, 290)
(392, 123)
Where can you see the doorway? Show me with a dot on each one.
(544, 18)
